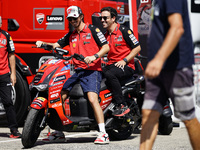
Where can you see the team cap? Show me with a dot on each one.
(74, 11)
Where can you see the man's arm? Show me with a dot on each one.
(129, 57)
(12, 68)
(39, 43)
(172, 38)
(133, 53)
(104, 49)
(131, 40)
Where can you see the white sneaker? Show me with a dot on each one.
(102, 138)
(55, 137)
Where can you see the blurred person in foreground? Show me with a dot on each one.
(169, 73)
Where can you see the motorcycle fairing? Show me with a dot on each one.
(39, 103)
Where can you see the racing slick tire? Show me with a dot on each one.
(31, 130)
(121, 133)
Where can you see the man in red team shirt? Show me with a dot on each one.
(86, 40)
(123, 48)
(8, 79)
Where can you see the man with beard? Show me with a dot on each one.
(86, 40)
(123, 48)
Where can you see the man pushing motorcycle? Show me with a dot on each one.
(86, 40)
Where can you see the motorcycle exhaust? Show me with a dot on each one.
(110, 120)
(110, 107)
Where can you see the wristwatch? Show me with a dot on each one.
(96, 55)
(125, 60)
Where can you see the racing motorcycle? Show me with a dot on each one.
(75, 113)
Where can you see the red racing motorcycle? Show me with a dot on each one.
(75, 113)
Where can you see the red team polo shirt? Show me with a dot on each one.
(6, 46)
(87, 43)
(121, 42)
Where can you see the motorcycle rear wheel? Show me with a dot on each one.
(31, 130)
(121, 133)
(165, 125)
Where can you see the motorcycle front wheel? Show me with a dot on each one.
(31, 130)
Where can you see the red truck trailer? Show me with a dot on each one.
(29, 21)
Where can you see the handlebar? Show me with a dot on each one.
(141, 57)
(59, 52)
(50, 47)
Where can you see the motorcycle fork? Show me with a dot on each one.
(42, 125)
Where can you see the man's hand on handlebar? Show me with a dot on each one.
(47, 45)
(89, 59)
(39, 43)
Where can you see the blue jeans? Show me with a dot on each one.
(90, 81)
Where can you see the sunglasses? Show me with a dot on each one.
(104, 17)
(72, 18)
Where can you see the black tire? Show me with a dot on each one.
(23, 99)
(121, 133)
(31, 130)
(165, 125)
(140, 100)
(21, 103)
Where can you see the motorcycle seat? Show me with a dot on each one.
(103, 84)
(124, 81)
(134, 80)
(76, 91)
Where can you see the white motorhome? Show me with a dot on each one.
(194, 9)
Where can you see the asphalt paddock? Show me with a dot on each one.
(177, 140)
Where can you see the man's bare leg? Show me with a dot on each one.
(150, 120)
(93, 98)
(193, 128)
(64, 95)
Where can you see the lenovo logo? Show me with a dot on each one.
(53, 18)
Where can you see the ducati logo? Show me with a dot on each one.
(40, 18)
(69, 11)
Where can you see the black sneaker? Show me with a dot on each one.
(121, 111)
(15, 134)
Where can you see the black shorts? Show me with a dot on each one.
(177, 85)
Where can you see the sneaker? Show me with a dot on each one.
(15, 134)
(121, 111)
(55, 137)
(102, 138)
